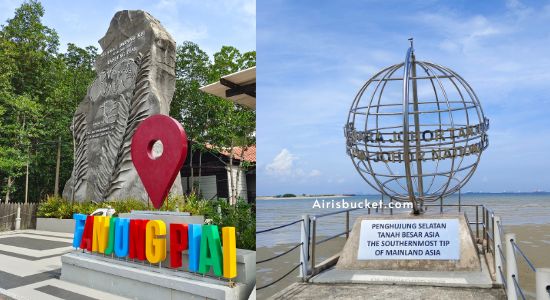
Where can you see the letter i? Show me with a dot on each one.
(229, 252)
(195, 232)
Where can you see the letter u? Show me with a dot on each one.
(122, 227)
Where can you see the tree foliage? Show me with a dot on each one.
(207, 119)
(40, 88)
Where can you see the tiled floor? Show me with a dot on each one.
(30, 266)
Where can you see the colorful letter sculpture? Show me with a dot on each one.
(229, 252)
(146, 240)
(211, 250)
(137, 239)
(155, 241)
(79, 221)
(158, 173)
(194, 246)
(86, 242)
(111, 245)
(122, 234)
(178, 243)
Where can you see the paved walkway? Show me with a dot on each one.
(30, 267)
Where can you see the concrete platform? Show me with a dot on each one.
(385, 291)
(432, 278)
(138, 281)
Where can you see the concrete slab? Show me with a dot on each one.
(7, 295)
(29, 273)
(382, 292)
(55, 225)
(144, 282)
(24, 267)
(56, 289)
(32, 243)
(481, 279)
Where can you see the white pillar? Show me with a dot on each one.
(304, 249)
(498, 248)
(511, 266)
(543, 283)
(18, 219)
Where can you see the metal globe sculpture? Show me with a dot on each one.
(415, 131)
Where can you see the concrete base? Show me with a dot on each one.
(382, 292)
(479, 279)
(55, 225)
(143, 281)
(469, 258)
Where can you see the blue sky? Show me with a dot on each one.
(313, 56)
(209, 23)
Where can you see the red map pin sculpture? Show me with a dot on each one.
(158, 173)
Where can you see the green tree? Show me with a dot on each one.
(30, 49)
(208, 119)
(33, 48)
(39, 92)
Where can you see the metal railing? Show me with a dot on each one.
(280, 254)
(510, 282)
(486, 231)
(482, 232)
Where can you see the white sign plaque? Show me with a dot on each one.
(435, 239)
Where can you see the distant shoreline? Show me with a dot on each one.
(302, 197)
(377, 195)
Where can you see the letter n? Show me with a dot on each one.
(87, 236)
(137, 239)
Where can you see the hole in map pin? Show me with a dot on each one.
(155, 149)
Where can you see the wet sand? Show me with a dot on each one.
(534, 240)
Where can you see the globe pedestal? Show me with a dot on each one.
(408, 248)
(355, 266)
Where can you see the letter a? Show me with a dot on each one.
(210, 250)
(79, 222)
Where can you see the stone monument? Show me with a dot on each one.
(135, 79)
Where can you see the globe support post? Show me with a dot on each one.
(416, 113)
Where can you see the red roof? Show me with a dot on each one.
(249, 153)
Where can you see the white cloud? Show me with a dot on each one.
(314, 173)
(281, 164)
